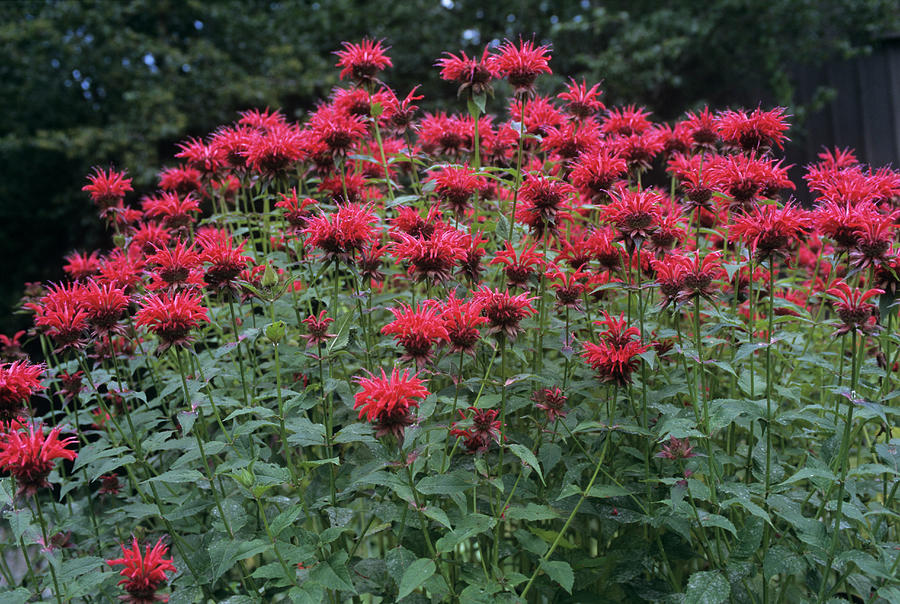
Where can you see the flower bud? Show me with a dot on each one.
(275, 332)
(270, 277)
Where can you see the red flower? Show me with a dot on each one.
(596, 170)
(602, 247)
(226, 261)
(472, 75)
(107, 188)
(638, 149)
(699, 275)
(636, 214)
(104, 305)
(28, 457)
(181, 179)
(362, 61)
(757, 131)
(11, 347)
(521, 64)
(171, 317)
(175, 212)
(81, 266)
(874, 237)
(703, 129)
(518, 266)
(768, 230)
(175, 266)
(552, 402)
(342, 233)
(853, 309)
(677, 449)
(503, 311)
(746, 177)
(443, 134)
(462, 320)
(569, 287)
(60, 314)
(274, 152)
(399, 114)
(485, 428)
(626, 121)
(455, 185)
(470, 265)
(143, 572)
(613, 363)
(571, 139)
(295, 211)
(18, 381)
(540, 115)
(200, 156)
(387, 401)
(337, 129)
(417, 330)
(582, 102)
(318, 329)
(542, 203)
(433, 257)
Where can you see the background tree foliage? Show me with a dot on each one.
(96, 83)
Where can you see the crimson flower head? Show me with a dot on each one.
(551, 401)
(582, 102)
(318, 329)
(433, 257)
(542, 201)
(769, 230)
(625, 121)
(455, 185)
(703, 129)
(472, 75)
(143, 572)
(104, 304)
(417, 330)
(462, 320)
(175, 266)
(225, 260)
(874, 238)
(569, 287)
(388, 401)
(337, 129)
(636, 214)
(171, 317)
(484, 429)
(853, 308)
(107, 188)
(504, 311)
(275, 151)
(18, 381)
(677, 448)
(757, 131)
(28, 456)
(81, 266)
(521, 65)
(595, 172)
(200, 156)
(174, 211)
(362, 61)
(61, 316)
(343, 232)
(399, 114)
(613, 364)
(518, 266)
(295, 209)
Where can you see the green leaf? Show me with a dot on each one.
(343, 333)
(285, 519)
(707, 587)
(603, 491)
(225, 553)
(304, 433)
(76, 567)
(528, 458)
(178, 476)
(780, 560)
(445, 484)
(355, 433)
(19, 596)
(560, 572)
(550, 537)
(417, 573)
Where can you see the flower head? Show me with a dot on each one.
(483, 430)
(18, 381)
(769, 230)
(388, 401)
(417, 330)
(504, 311)
(28, 455)
(462, 319)
(551, 401)
(755, 131)
(433, 257)
(853, 308)
(521, 64)
(362, 61)
(107, 188)
(317, 326)
(144, 571)
(677, 448)
(472, 75)
(582, 102)
(343, 232)
(171, 317)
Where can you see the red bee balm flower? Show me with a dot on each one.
(28, 456)
(854, 309)
(504, 311)
(417, 330)
(768, 230)
(107, 188)
(387, 401)
(318, 329)
(362, 61)
(143, 572)
(471, 74)
(171, 317)
(521, 64)
(485, 429)
(18, 381)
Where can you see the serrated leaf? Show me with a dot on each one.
(779, 560)
(707, 587)
(178, 476)
(414, 576)
(560, 572)
(528, 458)
(18, 596)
